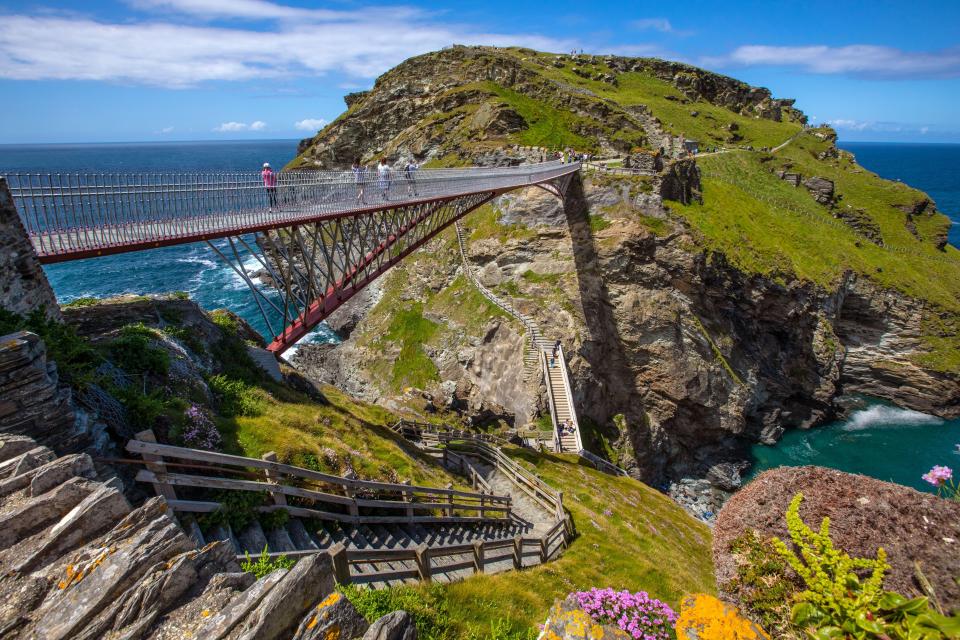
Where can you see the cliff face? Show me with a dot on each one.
(696, 321)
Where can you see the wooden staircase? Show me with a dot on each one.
(379, 533)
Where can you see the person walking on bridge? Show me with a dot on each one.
(409, 174)
(359, 179)
(383, 178)
(270, 183)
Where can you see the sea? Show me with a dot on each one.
(877, 440)
(193, 268)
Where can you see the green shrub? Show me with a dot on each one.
(844, 596)
(764, 585)
(237, 509)
(81, 302)
(237, 398)
(142, 409)
(132, 351)
(265, 565)
(74, 356)
(427, 607)
(187, 337)
(273, 519)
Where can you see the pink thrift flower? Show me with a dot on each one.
(938, 475)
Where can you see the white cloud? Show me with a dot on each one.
(166, 130)
(310, 124)
(854, 125)
(656, 24)
(924, 130)
(858, 59)
(258, 125)
(227, 127)
(166, 52)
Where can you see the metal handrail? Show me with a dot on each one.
(73, 213)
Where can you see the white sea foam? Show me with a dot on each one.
(885, 416)
(321, 334)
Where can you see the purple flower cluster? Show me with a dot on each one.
(938, 475)
(200, 432)
(641, 616)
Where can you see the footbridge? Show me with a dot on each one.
(303, 249)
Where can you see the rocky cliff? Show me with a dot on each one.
(697, 321)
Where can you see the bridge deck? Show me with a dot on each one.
(75, 216)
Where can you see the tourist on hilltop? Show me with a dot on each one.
(359, 179)
(383, 178)
(409, 174)
(270, 182)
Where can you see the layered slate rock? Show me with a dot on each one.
(865, 514)
(393, 626)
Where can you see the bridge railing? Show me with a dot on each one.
(76, 212)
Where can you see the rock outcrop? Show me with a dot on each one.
(23, 284)
(80, 562)
(864, 513)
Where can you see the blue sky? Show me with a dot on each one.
(132, 70)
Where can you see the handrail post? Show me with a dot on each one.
(517, 552)
(478, 553)
(449, 500)
(408, 498)
(341, 566)
(351, 493)
(155, 464)
(274, 477)
(543, 549)
(423, 562)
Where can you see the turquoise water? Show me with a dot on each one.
(882, 441)
(193, 268)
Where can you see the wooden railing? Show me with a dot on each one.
(423, 560)
(346, 500)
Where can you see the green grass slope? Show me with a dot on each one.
(629, 537)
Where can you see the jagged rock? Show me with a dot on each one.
(393, 626)
(334, 617)
(221, 624)
(821, 189)
(53, 473)
(12, 446)
(131, 615)
(864, 514)
(95, 514)
(278, 613)
(99, 575)
(49, 475)
(792, 178)
(40, 512)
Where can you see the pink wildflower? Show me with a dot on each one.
(938, 475)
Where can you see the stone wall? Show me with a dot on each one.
(23, 285)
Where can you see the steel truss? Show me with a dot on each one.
(314, 268)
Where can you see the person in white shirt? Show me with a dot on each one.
(383, 178)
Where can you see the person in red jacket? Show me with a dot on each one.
(270, 182)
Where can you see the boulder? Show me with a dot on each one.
(703, 617)
(42, 511)
(335, 617)
(865, 514)
(95, 514)
(568, 621)
(821, 189)
(220, 625)
(46, 476)
(393, 626)
(100, 575)
(277, 614)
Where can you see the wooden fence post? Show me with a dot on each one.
(478, 556)
(274, 477)
(423, 562)
(518, 552)
(351, 493)
(543, 549)
(450, 501)
(408, 498)
(341, 568)
(155, 464)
